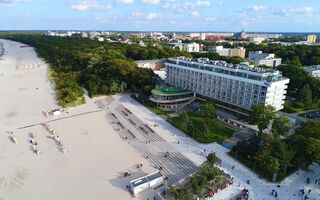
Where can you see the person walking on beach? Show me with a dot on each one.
(316, 181)
(308, 180)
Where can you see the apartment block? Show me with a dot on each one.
(236, 85)
(239, 51)
(260, 58)
(312, 38)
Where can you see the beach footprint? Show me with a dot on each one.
(15, 181)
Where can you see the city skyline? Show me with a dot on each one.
(161, 15)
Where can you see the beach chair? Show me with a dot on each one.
(14, 140)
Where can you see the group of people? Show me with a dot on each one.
(218, 189)
(14, 139)
(139, 166)
(244, 195)
(34, 145)
(55, 137)
(302, 192)
(274, 193)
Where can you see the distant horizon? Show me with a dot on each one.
(141, 31)
(285, 16)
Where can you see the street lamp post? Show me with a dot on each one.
(236, 154)
(166, 188)
(285, 169)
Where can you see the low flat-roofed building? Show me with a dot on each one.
(156, 64)
(313, 70)
(260, 58)
(146, 182)
(170, 98)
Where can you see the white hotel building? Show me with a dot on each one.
(229, 85)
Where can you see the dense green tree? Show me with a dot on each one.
(262, 115)
(283, 152)
(310, 129)
(213, 159)
(209, 109)
(281, 125)
(305, 95)
(205, 129)
(312, 151)
(190, 128)
(184, 120)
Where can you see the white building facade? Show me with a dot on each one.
(191, 47)
(313, 70)
(260, 58)
(239, 51)
(239, 86)
(221, 51)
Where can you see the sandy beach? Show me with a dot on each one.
(96, 157)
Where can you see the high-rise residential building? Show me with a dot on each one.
(312, 38)
(229, 85)
(202, 36)
(239, 51)
(260, 58)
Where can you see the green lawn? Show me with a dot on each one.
(289, 108)
(217, 132)
(157, 111)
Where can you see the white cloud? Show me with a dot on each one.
(8, 3)
(220, 2)
(136, 13)
(173, 22)
(195, 14)
(190, 5)
(257, 8)
(307, 11)
(101, 19)
(151, 1)
(244, 23)
(152, 16)
(85, 5)
(125, 1)
(166, 6)
(252, 10)
(203, 3)
(209, 18)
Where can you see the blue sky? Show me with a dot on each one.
(162, 15)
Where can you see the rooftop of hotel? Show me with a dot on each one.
(222, 63)
(170, 90)
(244, 69)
